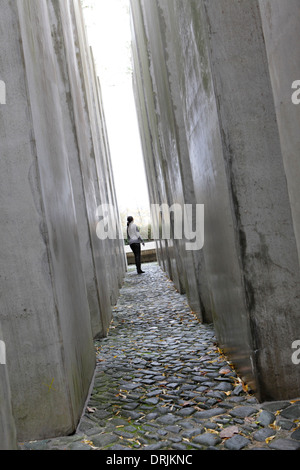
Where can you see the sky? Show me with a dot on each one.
(108, 28)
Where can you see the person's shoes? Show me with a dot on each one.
(141, 272)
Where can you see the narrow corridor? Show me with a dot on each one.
(162, 383)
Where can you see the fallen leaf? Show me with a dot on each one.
(85, 441)
(187, 403)
(211, 431)
(229, 432)
(91, 410)
(269, 439)
(225, 371)
(275, 427)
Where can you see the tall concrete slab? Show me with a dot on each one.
(49, 196)
(210, 181)
(215, 57)
(165, 134)
(192, 266)
(280, 21)
(172, 254)
(71, 98)
(258, 190)
(145, 133)
(113, 263)
(70, 48)
(8, 435)
(149, 126)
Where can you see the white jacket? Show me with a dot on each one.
(134, 235)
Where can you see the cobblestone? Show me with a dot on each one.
(162, 383)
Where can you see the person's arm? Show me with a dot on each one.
(139, 236)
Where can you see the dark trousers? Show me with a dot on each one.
(136, 248)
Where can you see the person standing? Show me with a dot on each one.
(134, 239)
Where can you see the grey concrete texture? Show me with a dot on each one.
(259, 198)
(58, 280)
(169, 181)
(213, 85)
(280, 27)
(8, 435)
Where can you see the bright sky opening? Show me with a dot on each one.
(108, 28)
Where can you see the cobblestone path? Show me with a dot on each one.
(163, 384)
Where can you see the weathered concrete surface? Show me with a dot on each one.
(8, 436)
(80, 99)
(54, 271)
(213, 53)
(259, 195)
(280, 21)
(169, 181)
(82, 168)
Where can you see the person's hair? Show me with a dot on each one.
(129, 220)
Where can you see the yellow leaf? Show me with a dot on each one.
(211, 431)
(269, 439)
(85, 441)
(273, 426)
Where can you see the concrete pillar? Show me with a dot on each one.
(280, 21)
(8, 436)
(205, 157)
(77, 75)
(215, 51)
(264, 230)
(146, 139)
(76, 131)
(150, 135)
(113, 264)
(52, 263)
(168, 171)
(192, 267)
(164, 134)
